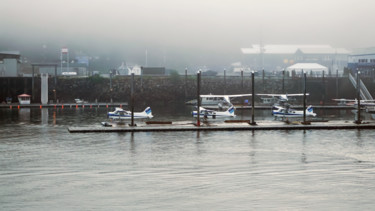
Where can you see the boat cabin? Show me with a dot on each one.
(24, 99)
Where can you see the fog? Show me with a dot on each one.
(179, 33)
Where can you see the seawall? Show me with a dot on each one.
(161, 90)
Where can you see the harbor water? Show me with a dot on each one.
(44, 167)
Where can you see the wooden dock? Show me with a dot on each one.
(222, 126)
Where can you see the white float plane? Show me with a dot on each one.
(281, 111)
(282, 108)
(122, 114)
(206, 113)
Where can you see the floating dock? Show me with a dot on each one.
(222, 126)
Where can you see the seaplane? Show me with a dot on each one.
(218, 101)
(282, 108)
(121, 114)
(286, 112)
(206, 113)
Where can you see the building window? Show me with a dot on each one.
(362, 60)
(372, 60)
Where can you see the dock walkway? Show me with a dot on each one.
(221, 126)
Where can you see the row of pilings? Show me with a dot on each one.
(161, 90)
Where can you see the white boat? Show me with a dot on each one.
(122, 114)
(24, 99)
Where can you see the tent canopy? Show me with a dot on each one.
(309, 68)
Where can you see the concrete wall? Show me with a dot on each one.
(164, 90)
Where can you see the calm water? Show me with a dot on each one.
(44, 167)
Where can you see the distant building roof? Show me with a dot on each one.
(10, 55)
(292, 49)
(307, 66)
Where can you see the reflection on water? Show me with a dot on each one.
(44, 167)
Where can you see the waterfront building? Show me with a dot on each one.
(9, 63)
(363, 62)
(278, 57)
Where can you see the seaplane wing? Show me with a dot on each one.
(226, 98)
(122, 114)
(282, 96)
(354, 102)
(238, 95)
(206, 113)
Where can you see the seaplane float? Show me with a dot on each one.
(207, 113)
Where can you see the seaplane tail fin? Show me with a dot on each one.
(230, 111)
(148, 112)
(310, 111)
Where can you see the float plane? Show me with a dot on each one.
(286, 112)
(282, 108)
(121, 114)
(206, 113)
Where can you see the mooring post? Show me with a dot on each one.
(141, 80)
(32, 83)
(252, 99)
(225, 80)
(132, 99)
(324, 90)
(110, 85)
(283, 91)
(337, 83)
(198, 97)
(263, 80)
(304, 97)
(358, 121)
(241, 80)
(185, 83)
(55, 75)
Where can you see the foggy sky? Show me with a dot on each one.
(182, 32)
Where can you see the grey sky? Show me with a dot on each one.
(219, 28)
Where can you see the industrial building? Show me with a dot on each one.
(362, 62)
(9, 63)
(278, 57)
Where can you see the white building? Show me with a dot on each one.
(311, 69)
